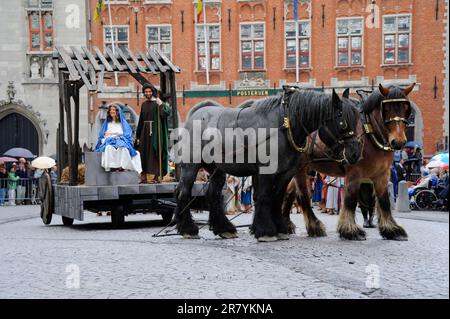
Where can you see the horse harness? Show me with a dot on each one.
(369, 129)
(342, 124)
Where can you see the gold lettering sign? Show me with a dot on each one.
(252, 93)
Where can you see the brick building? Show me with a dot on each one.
(252, 45)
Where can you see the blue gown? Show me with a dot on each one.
(126, 140)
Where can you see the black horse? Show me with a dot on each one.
(283, 122)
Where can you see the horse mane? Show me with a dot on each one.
(246, 104)
(309, 107)
(202, 105)
(373, 102)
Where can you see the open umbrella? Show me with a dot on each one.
(19, 152)
(43, 162)
(438, 161)
(443, 157)
(5, 159)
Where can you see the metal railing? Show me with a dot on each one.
(26, 192)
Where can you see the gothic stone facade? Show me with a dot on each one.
(28, 75)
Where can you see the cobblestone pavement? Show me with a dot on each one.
(91, 260)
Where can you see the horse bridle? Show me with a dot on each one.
(369, 127)
(343, 128)
(396, 118)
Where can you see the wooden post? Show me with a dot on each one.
(60, 156)
(173, 99)
(174, 105)
(67, 96)
(159, 143)
(76, 142)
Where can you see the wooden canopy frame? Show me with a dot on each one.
(79, 67)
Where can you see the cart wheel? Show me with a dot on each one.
(118, 216)
(47, 198)
(167, 217)
(67, 221)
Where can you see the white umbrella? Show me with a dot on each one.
(43, 162)
(435, 164)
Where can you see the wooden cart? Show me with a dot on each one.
(117, 193)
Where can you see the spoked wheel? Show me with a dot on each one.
(118, 216)
(47, 198)
(424, 200)
(67, 221)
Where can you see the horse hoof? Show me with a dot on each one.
(228, 235)
(351, 232)
(291, 227)
(359, 235)
(267, 239)
(397, 233)
(317, 231)
(188, 236)
(283, 236)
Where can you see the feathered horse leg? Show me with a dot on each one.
(314, 226)
(185, 224)
(277, 217)
(347, 227)
(388, 227)
(218, 221)
(263, 226)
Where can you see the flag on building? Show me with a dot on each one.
(199, 9)
(98, 10)
(296, 10)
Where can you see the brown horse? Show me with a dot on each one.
(382, 130)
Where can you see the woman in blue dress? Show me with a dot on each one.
(115, 141)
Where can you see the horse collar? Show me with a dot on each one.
(287, 123)
(369, 130)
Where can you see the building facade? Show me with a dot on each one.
(250, 51)
(29, 93)
(446, 72)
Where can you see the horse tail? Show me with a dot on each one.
(202, 105)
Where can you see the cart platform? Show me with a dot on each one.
(70, 200)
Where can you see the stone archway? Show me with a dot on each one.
(28, 126)
(415, 131)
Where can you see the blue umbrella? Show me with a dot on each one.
(19, 152)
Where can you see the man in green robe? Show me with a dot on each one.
(152, 136)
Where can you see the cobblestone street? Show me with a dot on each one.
(38, 261)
